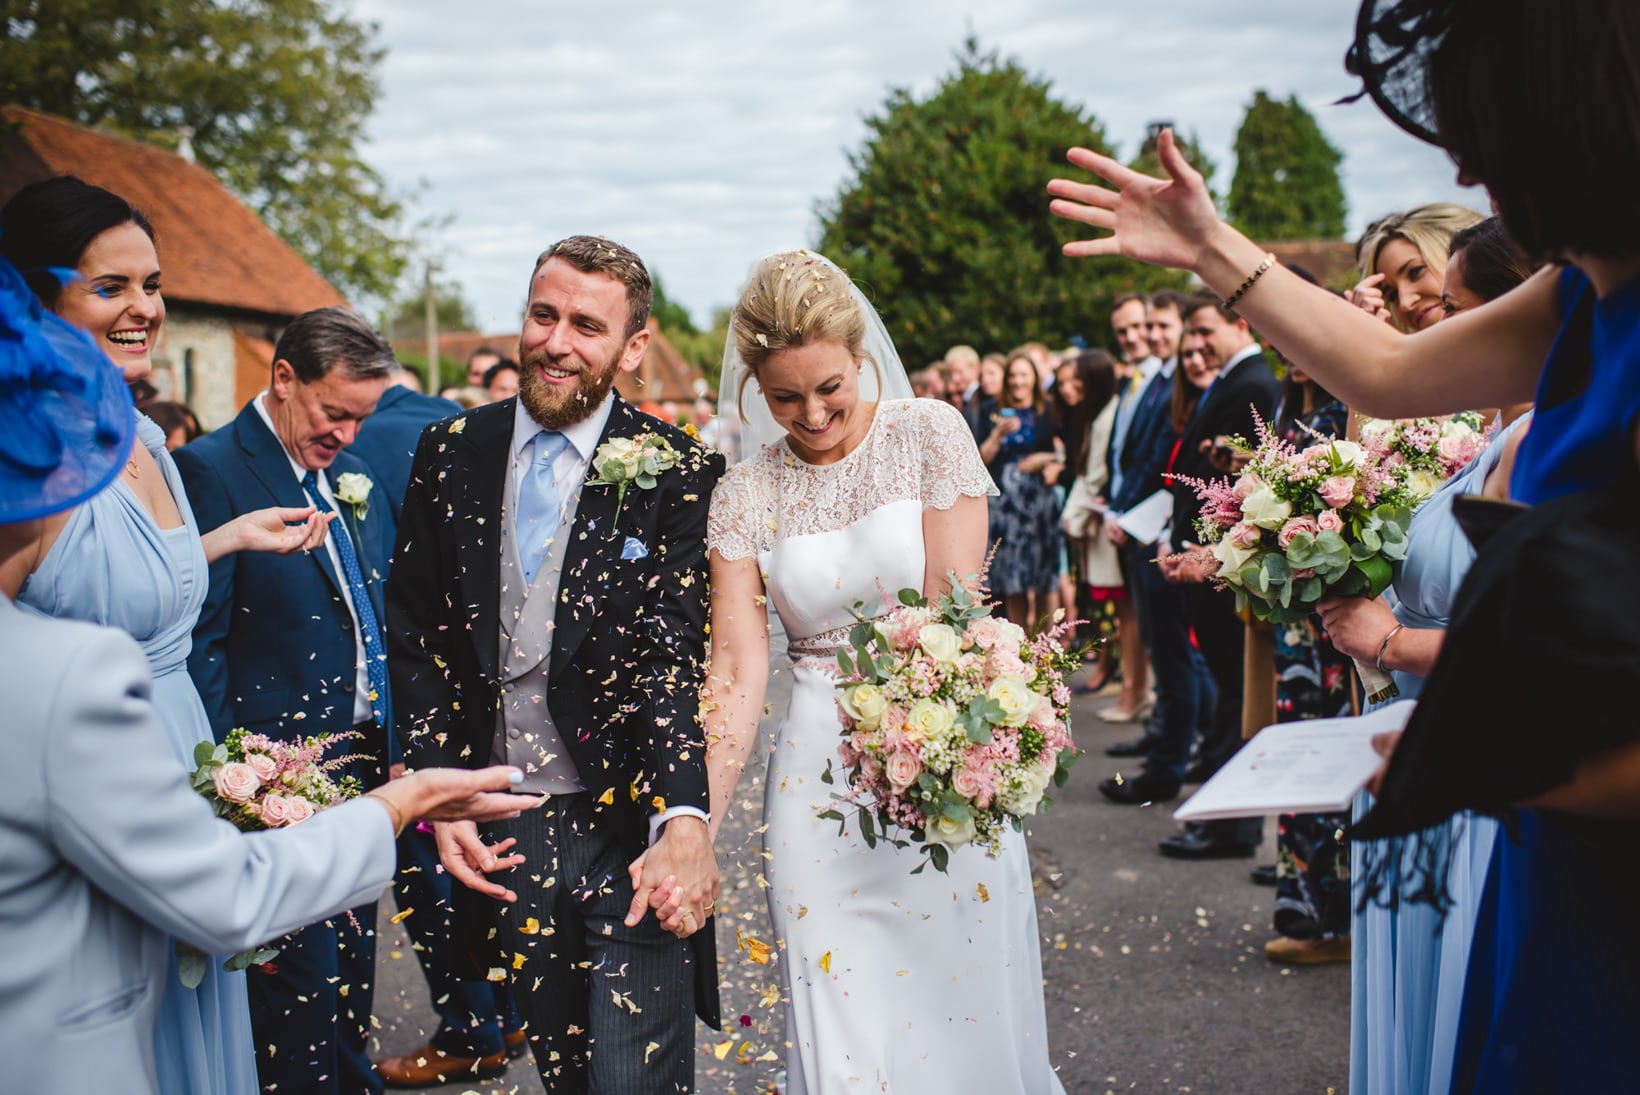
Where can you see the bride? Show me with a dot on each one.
(893, 982)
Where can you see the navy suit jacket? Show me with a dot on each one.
(387, 441)
(1225, 408)
(274, 649)
(1148, 444)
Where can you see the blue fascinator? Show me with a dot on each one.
(66, 416)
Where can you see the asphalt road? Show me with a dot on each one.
(1154, 969)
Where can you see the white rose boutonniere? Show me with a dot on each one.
(353, 489)
(623, 462)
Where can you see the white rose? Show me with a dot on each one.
(1349, 452)
(952, 834)
(353, 488)
(940, 641)
(1421, 484)
(1015, 698)
(928, 718)
(1231, 558)
(1455, 428)
(865, 703)
(1264, 509)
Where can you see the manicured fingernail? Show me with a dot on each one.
(515, 778)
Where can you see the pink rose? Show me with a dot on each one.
(1338, 490)
(871, 771)
(1244, 535)
(1246, 485)
(276, 811)
(263, 765)
(1300, 573)
(1329, 521)
(1293, 527)
(300, 810)
(236, 782)
(902, 769)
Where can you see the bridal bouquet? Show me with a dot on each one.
(955, 724)
(1328, 520)
(257, 782)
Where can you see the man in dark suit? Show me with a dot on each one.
(478, 1028)
(1244, 386)
(291, 646)
(538, 614)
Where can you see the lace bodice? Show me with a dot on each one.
(916, 449)
(827, 536)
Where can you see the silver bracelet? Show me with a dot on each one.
(1383, 647)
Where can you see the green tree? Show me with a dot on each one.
(1149, 161)
(673, 317)
(1286, 185)
(406, 317)
(945, 226)
(276, 93)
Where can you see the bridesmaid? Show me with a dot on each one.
(132, 556)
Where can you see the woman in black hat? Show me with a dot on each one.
(1541, 103)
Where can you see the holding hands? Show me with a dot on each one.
(677, 878)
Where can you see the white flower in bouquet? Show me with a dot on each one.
(1348, 452)
(941, 642)
(1014, 696)
(929, 719)
(1231, 556)
(1421, 484)
(952, 834)
(1266, 509)
(866, 704)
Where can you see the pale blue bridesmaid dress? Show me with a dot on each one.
(114, 565)
(1407, 967)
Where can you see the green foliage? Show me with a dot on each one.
(406, 317)
(702, 348)
(944, 224)
(1286, 185)
(672, 316)
(277, 93)
(1149, 162)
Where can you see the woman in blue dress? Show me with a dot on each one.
(1541, 103)
(1025, 518)
(132, 557)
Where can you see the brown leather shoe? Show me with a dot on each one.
(430, 1065)
(1308, 952)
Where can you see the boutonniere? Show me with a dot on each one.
(353, 489)
(623, 462)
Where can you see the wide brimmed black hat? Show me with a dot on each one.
(1394, 41)
(66, 416)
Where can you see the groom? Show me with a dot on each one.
(541, 617)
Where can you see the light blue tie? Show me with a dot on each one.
(539, 506)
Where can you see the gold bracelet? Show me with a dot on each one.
(398, 815)
(1263, 268)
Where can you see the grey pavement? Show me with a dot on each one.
(1154, 969)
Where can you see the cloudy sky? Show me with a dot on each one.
(703, 135)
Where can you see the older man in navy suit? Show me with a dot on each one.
(291, 646)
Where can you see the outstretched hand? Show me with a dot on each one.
(280, 530)
(467, 859)
(1164, 222)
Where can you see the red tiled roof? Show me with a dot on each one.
(1331, 261)
(214, 250)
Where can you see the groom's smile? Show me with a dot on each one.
(574, 343)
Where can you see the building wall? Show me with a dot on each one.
(195, 365)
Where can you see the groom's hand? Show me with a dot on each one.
(678, 878)
(467, 858)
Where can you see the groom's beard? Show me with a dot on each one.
(555, 407)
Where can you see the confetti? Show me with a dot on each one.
(825, 962)
(403, 914)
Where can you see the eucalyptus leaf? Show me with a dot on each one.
(191, 970)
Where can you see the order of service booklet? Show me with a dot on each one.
(1314, 766)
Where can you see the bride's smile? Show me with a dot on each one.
(813, 392)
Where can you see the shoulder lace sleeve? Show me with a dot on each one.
(735, 521)
(950, 462)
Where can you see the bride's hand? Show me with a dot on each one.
(1164, 222)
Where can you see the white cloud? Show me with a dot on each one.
(703, 136)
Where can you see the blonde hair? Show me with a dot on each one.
(1429, 228)
(792, 299)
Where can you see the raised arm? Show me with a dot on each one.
(736, 678)
(1488, 356)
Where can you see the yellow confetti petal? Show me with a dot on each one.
(518, 961)
(401, 916)
(648, 1049)
(825, 962)
(532, 926)
(496, 973)
(607, 798)
(721, 1050)
(659, 804)
(984, 894)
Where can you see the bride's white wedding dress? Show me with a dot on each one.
(894, 983)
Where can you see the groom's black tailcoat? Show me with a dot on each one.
(628, 657)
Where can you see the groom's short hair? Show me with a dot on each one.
(596, 255)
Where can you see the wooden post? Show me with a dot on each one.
(433, 384)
